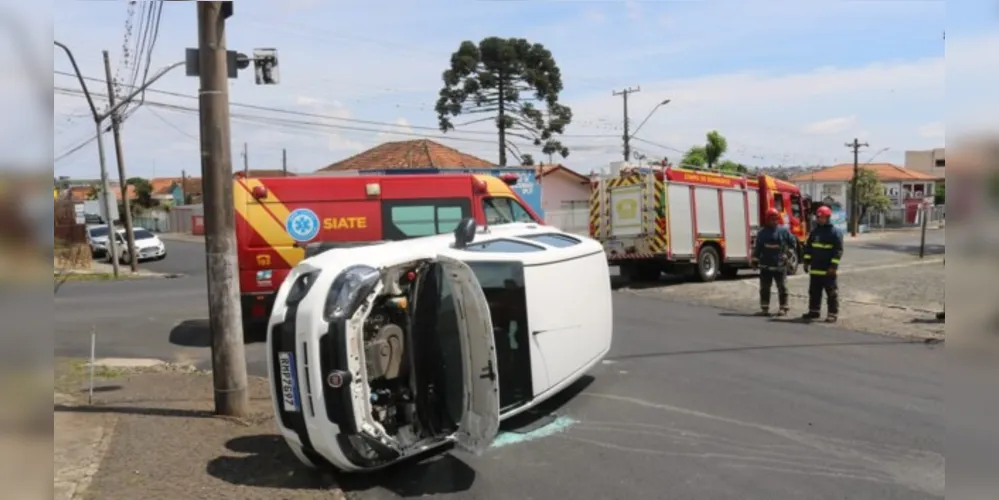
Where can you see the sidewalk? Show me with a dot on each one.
(191, 238)
(899, 300)
(150, 434)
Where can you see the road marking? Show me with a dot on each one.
(558, 425)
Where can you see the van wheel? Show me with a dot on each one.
(708, 264)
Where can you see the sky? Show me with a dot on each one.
(787, 83)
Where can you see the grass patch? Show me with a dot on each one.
(92, 277)
(71, 374)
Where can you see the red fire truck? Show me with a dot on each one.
(282, 220)
(674, 220)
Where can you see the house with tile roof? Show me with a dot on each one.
(420, 153)
(833, 183)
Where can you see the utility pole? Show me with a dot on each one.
(225, 321)
(284, 162)
(133, 257)
(246, 160)
(854, 202)
(626, 136)
(183, 187)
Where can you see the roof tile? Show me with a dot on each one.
(886, 172)
(421, 153)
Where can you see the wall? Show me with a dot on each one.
(559, 188)
(925, 161)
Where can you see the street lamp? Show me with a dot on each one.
(661, 104)
(98, 119)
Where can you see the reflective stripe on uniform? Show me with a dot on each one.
(817, 272)
(807, 257)
(824, 246)
(834, 261)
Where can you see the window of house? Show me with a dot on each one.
(402, 219)
(504, 210)
(939, 162)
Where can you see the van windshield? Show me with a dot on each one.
(97, 232)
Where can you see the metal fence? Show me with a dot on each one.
(899, 218)
(158, 222)
(573, 220)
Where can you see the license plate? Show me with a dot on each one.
(289, 384)
(615, 270)
(615, 245)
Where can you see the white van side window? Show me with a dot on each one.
(504, 246)
(552, 239)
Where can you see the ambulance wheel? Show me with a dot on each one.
(708, 264)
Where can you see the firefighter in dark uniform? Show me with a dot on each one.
(822, 252)
(772, 244)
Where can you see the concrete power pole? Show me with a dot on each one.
(284, 162)
(225, 321)
(854, 202)
(133, 257)
(246, 160)
(626, 136)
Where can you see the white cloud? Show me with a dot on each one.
(399, 130)
(831, 126)
(933, 130)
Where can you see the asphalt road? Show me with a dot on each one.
(691, 403)
(183, 257)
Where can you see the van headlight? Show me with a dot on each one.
(349, 290)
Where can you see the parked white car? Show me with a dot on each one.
(97, 237)
(382, 352)
(147, 245)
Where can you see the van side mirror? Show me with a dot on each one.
(464, 233)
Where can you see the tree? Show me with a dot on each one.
(143, 191)
(939, 193)
(714, 148)
(527, 160)
(731, 167)
(504, 78)
(709, 155)
(695, 157)
(871, 195)
(94, 193)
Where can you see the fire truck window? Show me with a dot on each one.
(404, 219)
(796, 206)
(779, 202)
(504, 210)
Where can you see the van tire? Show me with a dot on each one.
(708, 264)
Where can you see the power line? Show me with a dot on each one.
(329, 117)
(639, 139)
(170, 124)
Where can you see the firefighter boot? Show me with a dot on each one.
(782, 311)
(764, 310)
(810, 315)
(831, 318)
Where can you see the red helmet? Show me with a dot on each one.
(773, 213)
(823, 211)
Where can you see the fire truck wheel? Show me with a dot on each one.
(792, 263)
(708, 263)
